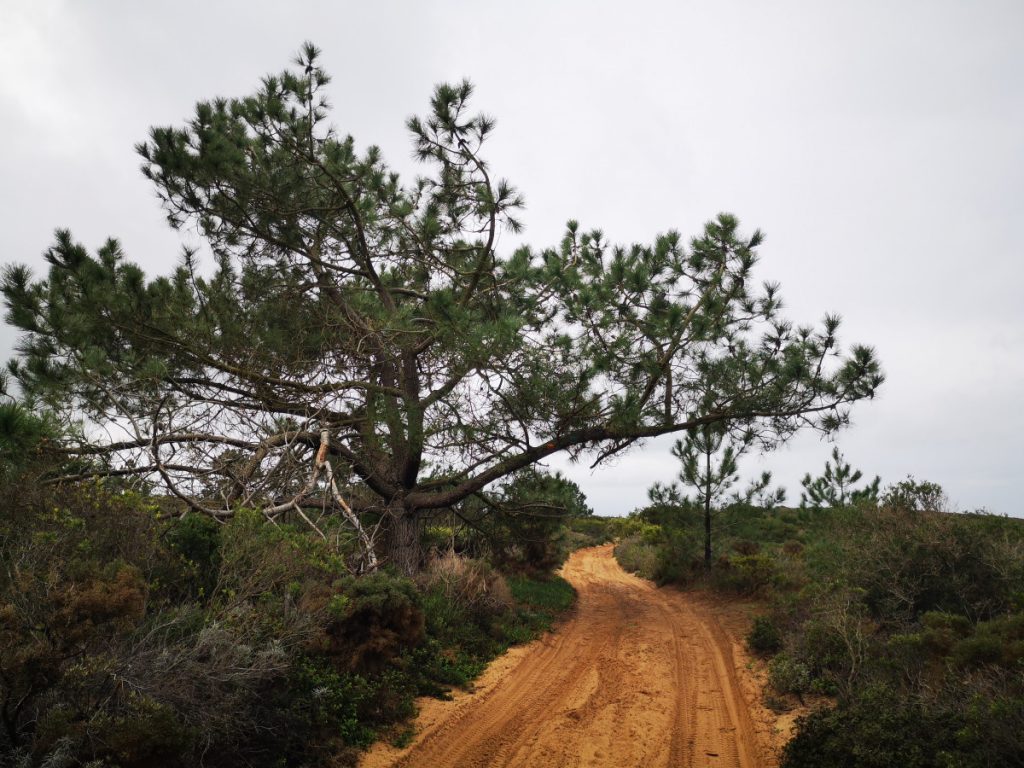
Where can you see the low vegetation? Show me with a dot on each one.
(907, 619)
(166, 641)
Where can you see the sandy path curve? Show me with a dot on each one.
(638, 676)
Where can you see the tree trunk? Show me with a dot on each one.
(707, 534)
(707, 513)
(403, 544)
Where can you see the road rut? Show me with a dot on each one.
(639, 676)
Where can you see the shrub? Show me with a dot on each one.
(746, 547)
(158, 642)
(744, 574)
(639, 557)
(764, 637)
(993, 720)
(379, 618)
(879, 728)
(574, 540)
(468, 584)
(941, 631)
(196, 539)
(793, 548)
(909, 563)
(593, 530)
(787, 675)
(996, 642)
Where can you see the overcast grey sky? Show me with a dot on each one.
(880, 146)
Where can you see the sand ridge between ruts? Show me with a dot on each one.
(638, 676)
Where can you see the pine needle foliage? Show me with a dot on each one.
(351, 316)
(834, 488)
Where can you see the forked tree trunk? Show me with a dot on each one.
(403, 541)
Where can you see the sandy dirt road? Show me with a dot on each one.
(639, 676)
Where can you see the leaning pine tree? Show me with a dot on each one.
(357, 328)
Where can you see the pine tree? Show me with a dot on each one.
(360, 340)
(834, 488)
(710, 465)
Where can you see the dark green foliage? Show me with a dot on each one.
(325, 700)
(974, 723)
(789, 675)
(468, 607)
(522, 525)
(744, 574)
(462, 639)
(525, 526)
(347, 305)
(992, 721)
(196, 539)
(994, 643)
(880, 728)
(764, 637)
(24, 437)
(591, 531)
(834, 488)
(911, 563)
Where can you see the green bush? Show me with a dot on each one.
(996, 642)
(788, 675)
(467, 584)
(744, 574)
(592, 530)
(764, 637)
(880, 728)
(992, 712)
(155, 642)
(638, 556)
(910, 563)
(196, 539)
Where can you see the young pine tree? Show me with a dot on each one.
(710, 465)
(835, 488)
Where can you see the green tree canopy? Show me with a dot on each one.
(358, 327)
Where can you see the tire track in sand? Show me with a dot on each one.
(639, 676)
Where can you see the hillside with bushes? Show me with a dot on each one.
(900, 621)
(133, 635)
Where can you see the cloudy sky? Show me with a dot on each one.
(880, 145)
